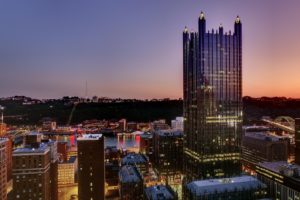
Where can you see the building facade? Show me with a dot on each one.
(282, 179)
(242, 188)
(212, 82)
(31, 173)
(263, 146)
(91, 168)
(131, 183)
(297, 141)
(3, 172)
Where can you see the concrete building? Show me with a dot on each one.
(282, 179)
(66, 172)
(91, 167)
(160, 192)
(3, 169)
(31, 173)
(262, 146)
(177, 123)
(131, 183)
(242, 188)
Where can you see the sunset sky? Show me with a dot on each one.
(133, 48)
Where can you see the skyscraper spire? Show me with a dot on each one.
(202, 15)
(237, 19)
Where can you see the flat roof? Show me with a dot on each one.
(169, 133)
(89, 137)
(239, 183)
(159, 192)
(129, 174)
(280, 166)
(134, 158)
(264, 135)
(43, 148)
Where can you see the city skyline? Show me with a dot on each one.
(50, 49)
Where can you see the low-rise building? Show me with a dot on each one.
(242, 188)
(261, 145)
(282, 179)
(131, 183)
(159, 192)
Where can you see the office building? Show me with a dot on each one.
(263, 146)
(177, 123)
(159, 125)
(282, 179)
(112, 159)
(159, 192)
(3, 172)
(131, 183)
(53, 167)
(138, 160)
(66, 172)
(31, 173)
(91, 168)
(146, 145)
(297, 141)
(242, 188)
(212, 89)
(168, 146)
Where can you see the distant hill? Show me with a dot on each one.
(18, 112)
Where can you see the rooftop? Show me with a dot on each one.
(134, 158)
(284, 168)
(170, 133)
(89, 137)
(226, 184)
(129, 174)
(43, 148)
(159, 192)
(264, 135)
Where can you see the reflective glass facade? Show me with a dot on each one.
(212, 74)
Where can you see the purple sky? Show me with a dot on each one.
(133, 48)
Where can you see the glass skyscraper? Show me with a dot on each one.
(212, 87)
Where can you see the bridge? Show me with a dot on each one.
(285, 123)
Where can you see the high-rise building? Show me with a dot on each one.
(3, 173)
(212, 82)
(91, 168)
(31, 173)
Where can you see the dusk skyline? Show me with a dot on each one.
(50, 49)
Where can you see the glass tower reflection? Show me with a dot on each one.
(212, 82)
